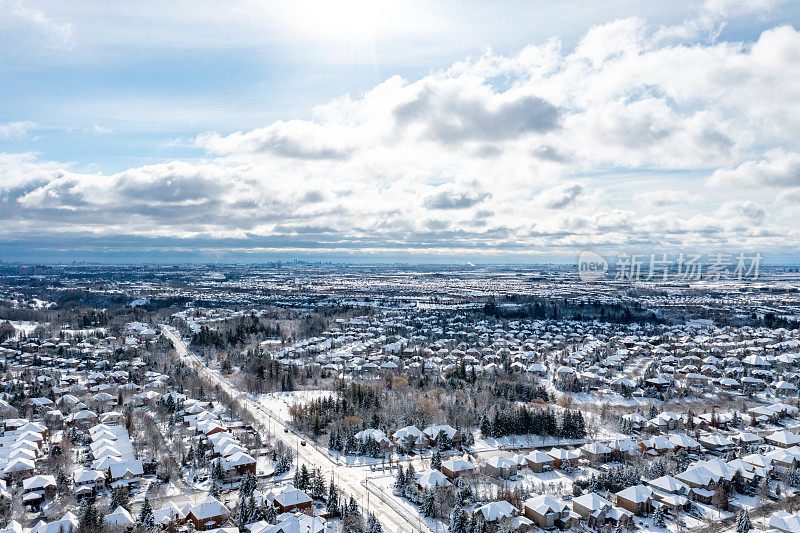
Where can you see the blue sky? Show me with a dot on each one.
(401, 130)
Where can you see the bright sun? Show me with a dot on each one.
(357, 23)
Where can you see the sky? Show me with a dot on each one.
(370, 131)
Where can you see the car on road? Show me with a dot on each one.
(302, 443)
(286, 430)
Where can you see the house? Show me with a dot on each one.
(432, 479)
(502, 512)
(540, 461)
(46, 484)
(453, 468)
(596, 452)
(210, 514)
(561, 456)
(169, 514)
(637, 499)
(18, 468)
(699, 477)
(294, 523)
(785, 522)
(69, 523)
(499, 467)
(91, 479)
(289, 499)
(681, 441)
(377, 435)
(546, 512)
(126, 472)
(624, 449)
(119, 518)
(592, 507)
(782, 439)
(240, 463)
(656, 445)
(669, 485)
(436, 434)
(409, 437)
(667, 421)
(783, 459)
(716, 443)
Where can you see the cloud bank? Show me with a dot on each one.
(609, 144)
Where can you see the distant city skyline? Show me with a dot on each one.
(386, 132)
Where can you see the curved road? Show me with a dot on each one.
(349, 480)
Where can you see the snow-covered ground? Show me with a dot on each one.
(25, 326)
(280, 402)
(513, 442)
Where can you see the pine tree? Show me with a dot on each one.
(794, 478)
(245, 513)
(436, 461)
(658, 517)
(271, 514)
(119, 498)
(373, 525)
(317, 485)
(428, 504)
(146, 515)
(352, 507)
(459, 521)
(305, 477)
(332, 503)
(88, 519)
(743, 522)
(247, 485)
(400, 480)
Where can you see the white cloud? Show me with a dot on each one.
(561, 196)
(11, 130)
(60, 34)
(662, 198)
(777, 168)
(789, 196)
(495, 151)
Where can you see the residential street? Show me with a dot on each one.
(351, 480)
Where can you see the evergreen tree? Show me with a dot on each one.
(216, 490)
(373, 525)
(119, 498)
(400, 480)
(658, 517)
(271, 514)
(352, 507)
(428, 503)
(247, 485)
(89, 521)
(459, 521)
(317, 485)
(245, 513)
(743, 522)
(332, 503)
(436, 461)
(793, 478)
(146, 515)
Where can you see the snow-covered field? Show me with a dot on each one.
(514, 442)
(279, 402)
(25, 326)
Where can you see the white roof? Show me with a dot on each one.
(120, 517)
